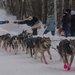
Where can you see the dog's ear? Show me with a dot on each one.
(49, 38)
(43, 37)
(42, 40)
(70, 40)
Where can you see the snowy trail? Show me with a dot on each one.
(23, 64)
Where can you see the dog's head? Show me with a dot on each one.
(15, 41)
(65, 47)
(72, 42)
(72, 45)
(24, 33)
(46, 42)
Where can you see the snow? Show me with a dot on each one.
(22, 64)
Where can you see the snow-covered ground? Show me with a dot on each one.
(22, 64)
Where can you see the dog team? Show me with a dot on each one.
(33, 45)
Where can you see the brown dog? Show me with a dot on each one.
(42, 46)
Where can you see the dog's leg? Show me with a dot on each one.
(36, 51)
(23, 45)
(68, 66)
(16, 48)
(16, 51)
(5, 46)
(61, 55)
(10, 48)
(42, 56)
(20, 41)
(41, 59)
(65, 60)
(50, 56)
(66, 63)
(31, 52)
(71, 60)
(0, 42)
(60, 52)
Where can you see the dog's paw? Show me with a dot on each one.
(68, 68)
(26, 52)
(65, 66)
(46, 62)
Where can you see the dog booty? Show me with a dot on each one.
(68, 68)
(65, 66)
(46, 62)
(26, 52)
(23, 50)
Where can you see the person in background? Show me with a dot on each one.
(72, 12)
(34, 22)
(69, 21)
(4, 22)
(73, 25)
(65, 24)
(50, 25)
(68, 11)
